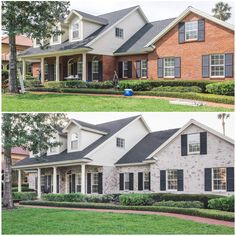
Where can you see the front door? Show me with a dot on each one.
(46, 183)
(51, 72)
(74, 181)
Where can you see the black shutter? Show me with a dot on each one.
(205, 66)
(208, 179)
(229, 65)
(100, 183)
(121, 181)
(177, 67)
(203, 143)
(180, 184)
(147, 68)
(88, 182)
(75, 68)
(58, 183)
(73, 183)
(89, 71)
(230, 179)
(49, 183)
(140, 180)
(160, 67)
(131, 181)
(181, 32)
(149, 175)
(201, 30)
(162, 180)
(184, 145)
(120, 69)
(130, 69)
(138, 69)
(100, 71)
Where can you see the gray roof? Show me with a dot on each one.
(111, 128)
(137, 42)
(101, 20)
(146, 146)
(90, 126)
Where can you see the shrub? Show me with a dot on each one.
(136, 199)
(99, 198)
(224, 203)
(181, 204)
(24, 195)
(221, 88)
(181, 89)
(30, 77)
(71, 197)
(32, 83)
(100, 85)
(23, 189)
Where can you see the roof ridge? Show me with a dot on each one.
(164, 130)
(89, 14)
(119, 10)
(172, 18)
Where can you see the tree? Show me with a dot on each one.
(223, 117)
(35, 19)
(31, 131)
(222, 11)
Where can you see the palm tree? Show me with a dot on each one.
(223, 117)
(222, 11)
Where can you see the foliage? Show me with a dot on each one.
(224, 203)
(222, 11)
(225, 88)
(32, 83)
(136, 199)
(181, 89)
(23, 189)
(24, 195)
(5, 79)
(30, 77)
(181, 204)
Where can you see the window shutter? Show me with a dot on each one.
(203, 143)
(49, 183)
(205, 66)
(121, 181)
(88, 182)
(160, 67)
(73, 183)
(131, 181)
(138, 69)
(75, 68)
(58, 183)
(230, 179)
(149, 174)
(129, 69)
(181, 32)
(201, 30)
(100, 71)
(100, 183)
(229, 65)
(140, 180)
(120, 68)
(89, 71)
(162, 180)
(177, 67)
(208, 179)
(184, 145)
(147, 68)
(180, 174)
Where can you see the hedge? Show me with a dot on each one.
(32, 83)
(214, 214)
(180, 89)
(24, 195)
(181, 204)
(226, 88)
(136, 199)
(23, 189)
(224, 204)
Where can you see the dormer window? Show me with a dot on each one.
(191, 30)
(52, 149)
(74, 141)
(75, 30)
(55, 38)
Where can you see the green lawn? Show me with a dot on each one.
(74, 102)
(58, 221)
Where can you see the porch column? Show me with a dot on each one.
(23, 69)
(39, 183)
(42, 70)
(57, 69)
(83, 178)
(84, 73)
(19, 180)
(54, 179)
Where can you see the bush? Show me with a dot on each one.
(30, 77)
(23, 189)
(181, 89)
(181, 204)
(105, 198)
(221, 88)
(24, 195)
(71, 197)
(136, 199)
(32, 83)
(224, 203)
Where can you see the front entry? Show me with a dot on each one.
(74, 183)
(95, 70)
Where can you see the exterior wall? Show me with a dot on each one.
(109, 67)
(89, 28)
(35, 69)
(219, 154)
(65, 35)
(31, 180)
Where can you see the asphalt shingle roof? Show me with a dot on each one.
(92, 17)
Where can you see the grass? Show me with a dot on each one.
(58, 221)
(74, 102)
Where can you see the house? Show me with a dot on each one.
(192, 46)
(124, 155)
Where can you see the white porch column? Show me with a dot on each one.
(83, 178)
(23, 69)
(42, 70)
(39, 183)
(19, 180)
(54, 179)
(57, 69)
(84, 73)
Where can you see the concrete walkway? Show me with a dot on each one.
(180, 216)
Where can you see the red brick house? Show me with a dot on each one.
(192, 46)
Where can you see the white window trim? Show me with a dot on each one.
(76, 181)
(217, 76)
(71, 30)
(79, 60)
(59, 38)
(126, 190)
(91, 189)
(119, 30)
(212, 181)
(96, 72)
(123, 140)
(76, 149)
(193, 153)
(144, 181)
(165, 76)
(167, 187)
(189, 40)
(123, 62)
(143, 68)
(37, 45)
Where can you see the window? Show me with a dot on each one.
(78, 182)
(52, 149)
(94, 183)
(55, 38)
(217, 65)
(219, 179)
(169, 67)
(146, 180)
(193, 143)
(74, 141)
(95, 68)
(125, 69)
(75, 30)
(80, 69)
(120, 142)
(126, 181)
(191, 30)
(172, 180)
(143, 68)
(119, 33)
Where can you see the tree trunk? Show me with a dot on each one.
(12, 64)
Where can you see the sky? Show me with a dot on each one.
(161, 120)
(153, 9)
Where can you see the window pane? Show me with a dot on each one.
(194, 143)
(172, 179)
(95, 66)
(143, 68)
(75, 30)
(219, 178)
(191, 30)
(169, 67)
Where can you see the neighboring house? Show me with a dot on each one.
(194, 46)
(125, 156)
